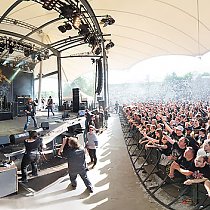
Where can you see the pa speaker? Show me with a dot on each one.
(45, 125)
(18, 138)
(75, 99)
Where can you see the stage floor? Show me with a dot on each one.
(15, 125)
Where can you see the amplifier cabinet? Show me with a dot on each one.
(8, 180)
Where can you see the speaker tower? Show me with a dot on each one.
(75, 99)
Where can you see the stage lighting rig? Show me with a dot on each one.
(76, 21)
(83, 29)
(2, 47)
(67, 11)
(49, 4)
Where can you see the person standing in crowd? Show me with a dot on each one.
(91, 145)
(116, 107)
(76, 161)
(87, 120)
(106, 116)
(36, 102)
(33, 147)
(30, 113)
(50, 106)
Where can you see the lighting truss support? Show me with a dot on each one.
(10, 33)
(59, 80)
(95, 21)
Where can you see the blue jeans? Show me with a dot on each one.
(83, 175)
(28, 120)
(49, 108)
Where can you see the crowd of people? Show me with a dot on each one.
(181, 132)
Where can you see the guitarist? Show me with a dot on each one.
(30, 111)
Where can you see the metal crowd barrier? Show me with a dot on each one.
(154, 177)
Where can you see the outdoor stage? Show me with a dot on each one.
(50, 165)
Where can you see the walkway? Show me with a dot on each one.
(115, 184)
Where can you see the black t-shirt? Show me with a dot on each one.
(30, 108)
(199, 173)
(176, 150)
(185, 164)
(168, 150)
(33, 146)
(193, 143)
(175, 136)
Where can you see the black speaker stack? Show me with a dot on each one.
(75, 99)
(100, 76)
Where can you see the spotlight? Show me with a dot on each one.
(10, 46)
(76, 21)
(26, 52)
(68, 26)
(93, 60)
(109, 45)
(46, 54)
(84, 29)
(10, 49)
(107, 21)
(49, 4)
(62, 28)
(92, 40)
(98, 51)
(33, 56)
(2, 47)
(65, 27)
(39, 57)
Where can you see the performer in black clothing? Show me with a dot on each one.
(76, 162)
(33, 146)
(30, 111)
(116, 107)
(50, 106)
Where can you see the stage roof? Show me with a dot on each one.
(143, 29)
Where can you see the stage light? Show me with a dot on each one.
(68, 26)
(33, 56)
(10, 50)
(92, 41)
(49, 4)
(46, 54)
(107, 21)
(39, 57)
(64, 28)
(2, 47)
(77, 21)
(83, 29)
(98, 51)
(109, 45)
(26, 52)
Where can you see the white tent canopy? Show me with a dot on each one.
(142, 29)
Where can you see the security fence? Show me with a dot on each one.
(171, 193)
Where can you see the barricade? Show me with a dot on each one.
(154, 177)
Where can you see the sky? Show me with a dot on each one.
(155, 69)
